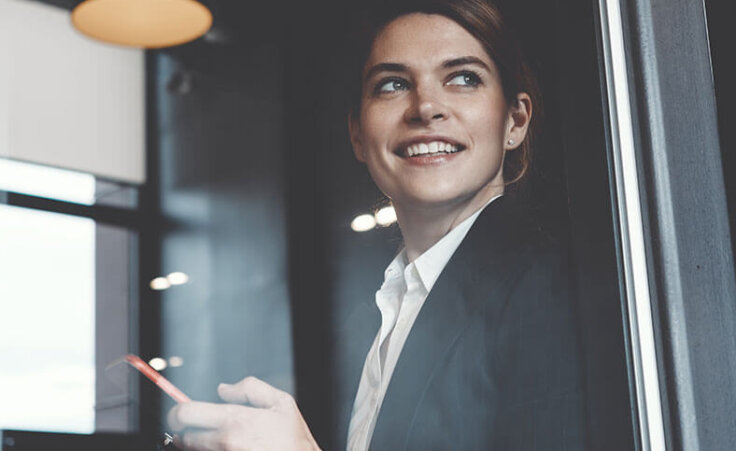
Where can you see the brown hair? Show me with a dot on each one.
(483, 20)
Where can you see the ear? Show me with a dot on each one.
(354, 129)
(520, 115)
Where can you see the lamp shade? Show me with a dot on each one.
(142, 23)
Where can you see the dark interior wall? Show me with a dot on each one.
(220, 124)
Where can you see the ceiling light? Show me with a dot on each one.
(142, 23)
(160, 283)
(363, 223)
(177, 278)
(386, 216)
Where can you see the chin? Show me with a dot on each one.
(432, 198)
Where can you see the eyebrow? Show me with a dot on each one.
(399, 67)
(385, 67)
(465, 60)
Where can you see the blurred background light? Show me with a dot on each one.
(175, 361)
(160, 283)
(363, 223)
(385, 216)
(158, 364)
(177, 278)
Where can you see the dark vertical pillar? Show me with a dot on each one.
(148, 344)
(309, 279)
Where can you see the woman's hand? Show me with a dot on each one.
(257, 416)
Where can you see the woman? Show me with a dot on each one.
(476, 349)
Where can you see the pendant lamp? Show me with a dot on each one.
(142, 23)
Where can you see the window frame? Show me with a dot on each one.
(679, 186)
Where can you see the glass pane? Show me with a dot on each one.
(47, 312)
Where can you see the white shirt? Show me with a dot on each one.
(404, 290)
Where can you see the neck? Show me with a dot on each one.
(422, 227)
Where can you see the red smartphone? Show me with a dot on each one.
(132, 360)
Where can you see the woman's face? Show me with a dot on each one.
(434, 123)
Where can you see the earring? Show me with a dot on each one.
(511, 142)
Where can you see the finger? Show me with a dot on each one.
(203, 414)
(255, 392)
(201, 441)
(196, 414)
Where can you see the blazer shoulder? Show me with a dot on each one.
(507, 239)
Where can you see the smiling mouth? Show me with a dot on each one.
(430, 149)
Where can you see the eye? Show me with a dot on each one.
(465, 78)
(391, 85)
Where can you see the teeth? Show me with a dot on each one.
(432, 147)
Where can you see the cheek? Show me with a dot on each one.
(376, 126)
(490, 123)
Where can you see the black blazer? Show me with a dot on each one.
(493, 360)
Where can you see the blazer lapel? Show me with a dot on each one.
(478, 267)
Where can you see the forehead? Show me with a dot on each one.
(420, 38)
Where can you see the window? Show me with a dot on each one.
(47, 311)
(65, 299)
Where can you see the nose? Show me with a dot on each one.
(426, 107)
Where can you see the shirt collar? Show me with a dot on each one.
(396, 267)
